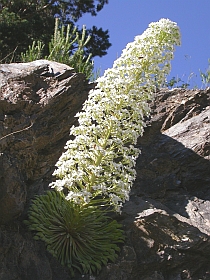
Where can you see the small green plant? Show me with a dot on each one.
(34, 52)
(60, 46)
(81, 237)
(205, 77)
(176, 82)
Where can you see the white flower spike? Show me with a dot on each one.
(100, 161)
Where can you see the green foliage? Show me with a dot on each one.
(81, 237)
(21, 23)
(34, 52)
(24, 21)
(205, 77)
(62, 42)
(176, 82)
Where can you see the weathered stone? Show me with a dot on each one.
(167, 219)
(36, 111)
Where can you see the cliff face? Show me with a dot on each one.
(167, 218)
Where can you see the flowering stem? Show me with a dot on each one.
(100, 155)
(100, 160)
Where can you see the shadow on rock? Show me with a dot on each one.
(167, 220)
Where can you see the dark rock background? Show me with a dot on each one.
(166, 221)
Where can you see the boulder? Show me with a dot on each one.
(38, 101)
(166, 220)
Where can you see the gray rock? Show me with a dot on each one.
(36, 113)
(167, 218)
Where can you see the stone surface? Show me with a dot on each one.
(38, 101)
(166, 221)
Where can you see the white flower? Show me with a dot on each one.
(100, 160)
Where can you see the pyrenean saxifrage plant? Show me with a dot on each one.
(97, 168)
(100, 160)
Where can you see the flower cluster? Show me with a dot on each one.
(99, 162)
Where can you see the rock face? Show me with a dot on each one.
(166, 221)
(37, 108)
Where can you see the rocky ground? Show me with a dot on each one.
(166, 221)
